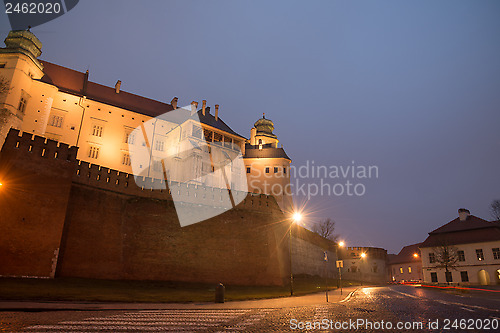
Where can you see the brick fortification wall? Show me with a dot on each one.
(308, 253)
(108, 227)
(36, 176)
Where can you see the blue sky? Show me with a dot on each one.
(412, 87)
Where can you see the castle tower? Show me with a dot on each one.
(267, 166)
(19, 69)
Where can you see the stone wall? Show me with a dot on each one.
(63, 217)
(36, 176)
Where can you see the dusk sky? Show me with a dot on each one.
(411, 87)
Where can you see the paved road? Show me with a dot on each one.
(370, 309)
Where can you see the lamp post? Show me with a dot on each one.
(363, 256)
(340, 264)
(295, 219)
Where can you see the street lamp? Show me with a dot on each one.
(340, 264)
(415, 255)
(363, 255)
(296, 218)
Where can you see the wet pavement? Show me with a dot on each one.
(368, 309)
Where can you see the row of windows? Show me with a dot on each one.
(464, 276)
(94, 154)
(461, 255)
(268, 170)
(401, 270)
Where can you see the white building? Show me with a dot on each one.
(472, 246)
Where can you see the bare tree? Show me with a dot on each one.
(495, 209)
(325, 228)
(446, 256)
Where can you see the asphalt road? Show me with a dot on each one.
(369, 309)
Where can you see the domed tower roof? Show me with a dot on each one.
(23, 41)
(265, 127)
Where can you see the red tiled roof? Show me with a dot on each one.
(406, 254)
(71, 81)
(472, 222)
(472, 230)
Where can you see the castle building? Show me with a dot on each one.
(105, 123)
(267, 165)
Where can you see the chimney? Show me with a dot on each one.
(463, 214)
(204, 106)
(117, 86)
(216, 112)
(85, 82)
(194, 107)
(173, 102)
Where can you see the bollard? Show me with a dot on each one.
(220, 290)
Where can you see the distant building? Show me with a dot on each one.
(406, 265)
(366, 264)
(472, 242)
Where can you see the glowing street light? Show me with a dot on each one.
(297, 217)
(340, 264)
(363, 255)
(415, 255)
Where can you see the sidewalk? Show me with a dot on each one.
(282, 302)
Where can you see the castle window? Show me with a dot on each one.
(126, 159)
(97, 130)
(248, 170)
(22, 104)
(159, 145)
(2, 65)
(464, 276)
(56, 121)
(94, 152)
(275, 169)
(284, 170)
(267, 169)
(401, 270)
(434, 277)
(409, 269)
(129, 137)
(461, 255)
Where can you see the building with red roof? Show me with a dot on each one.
(466, 250)
(406, 266)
